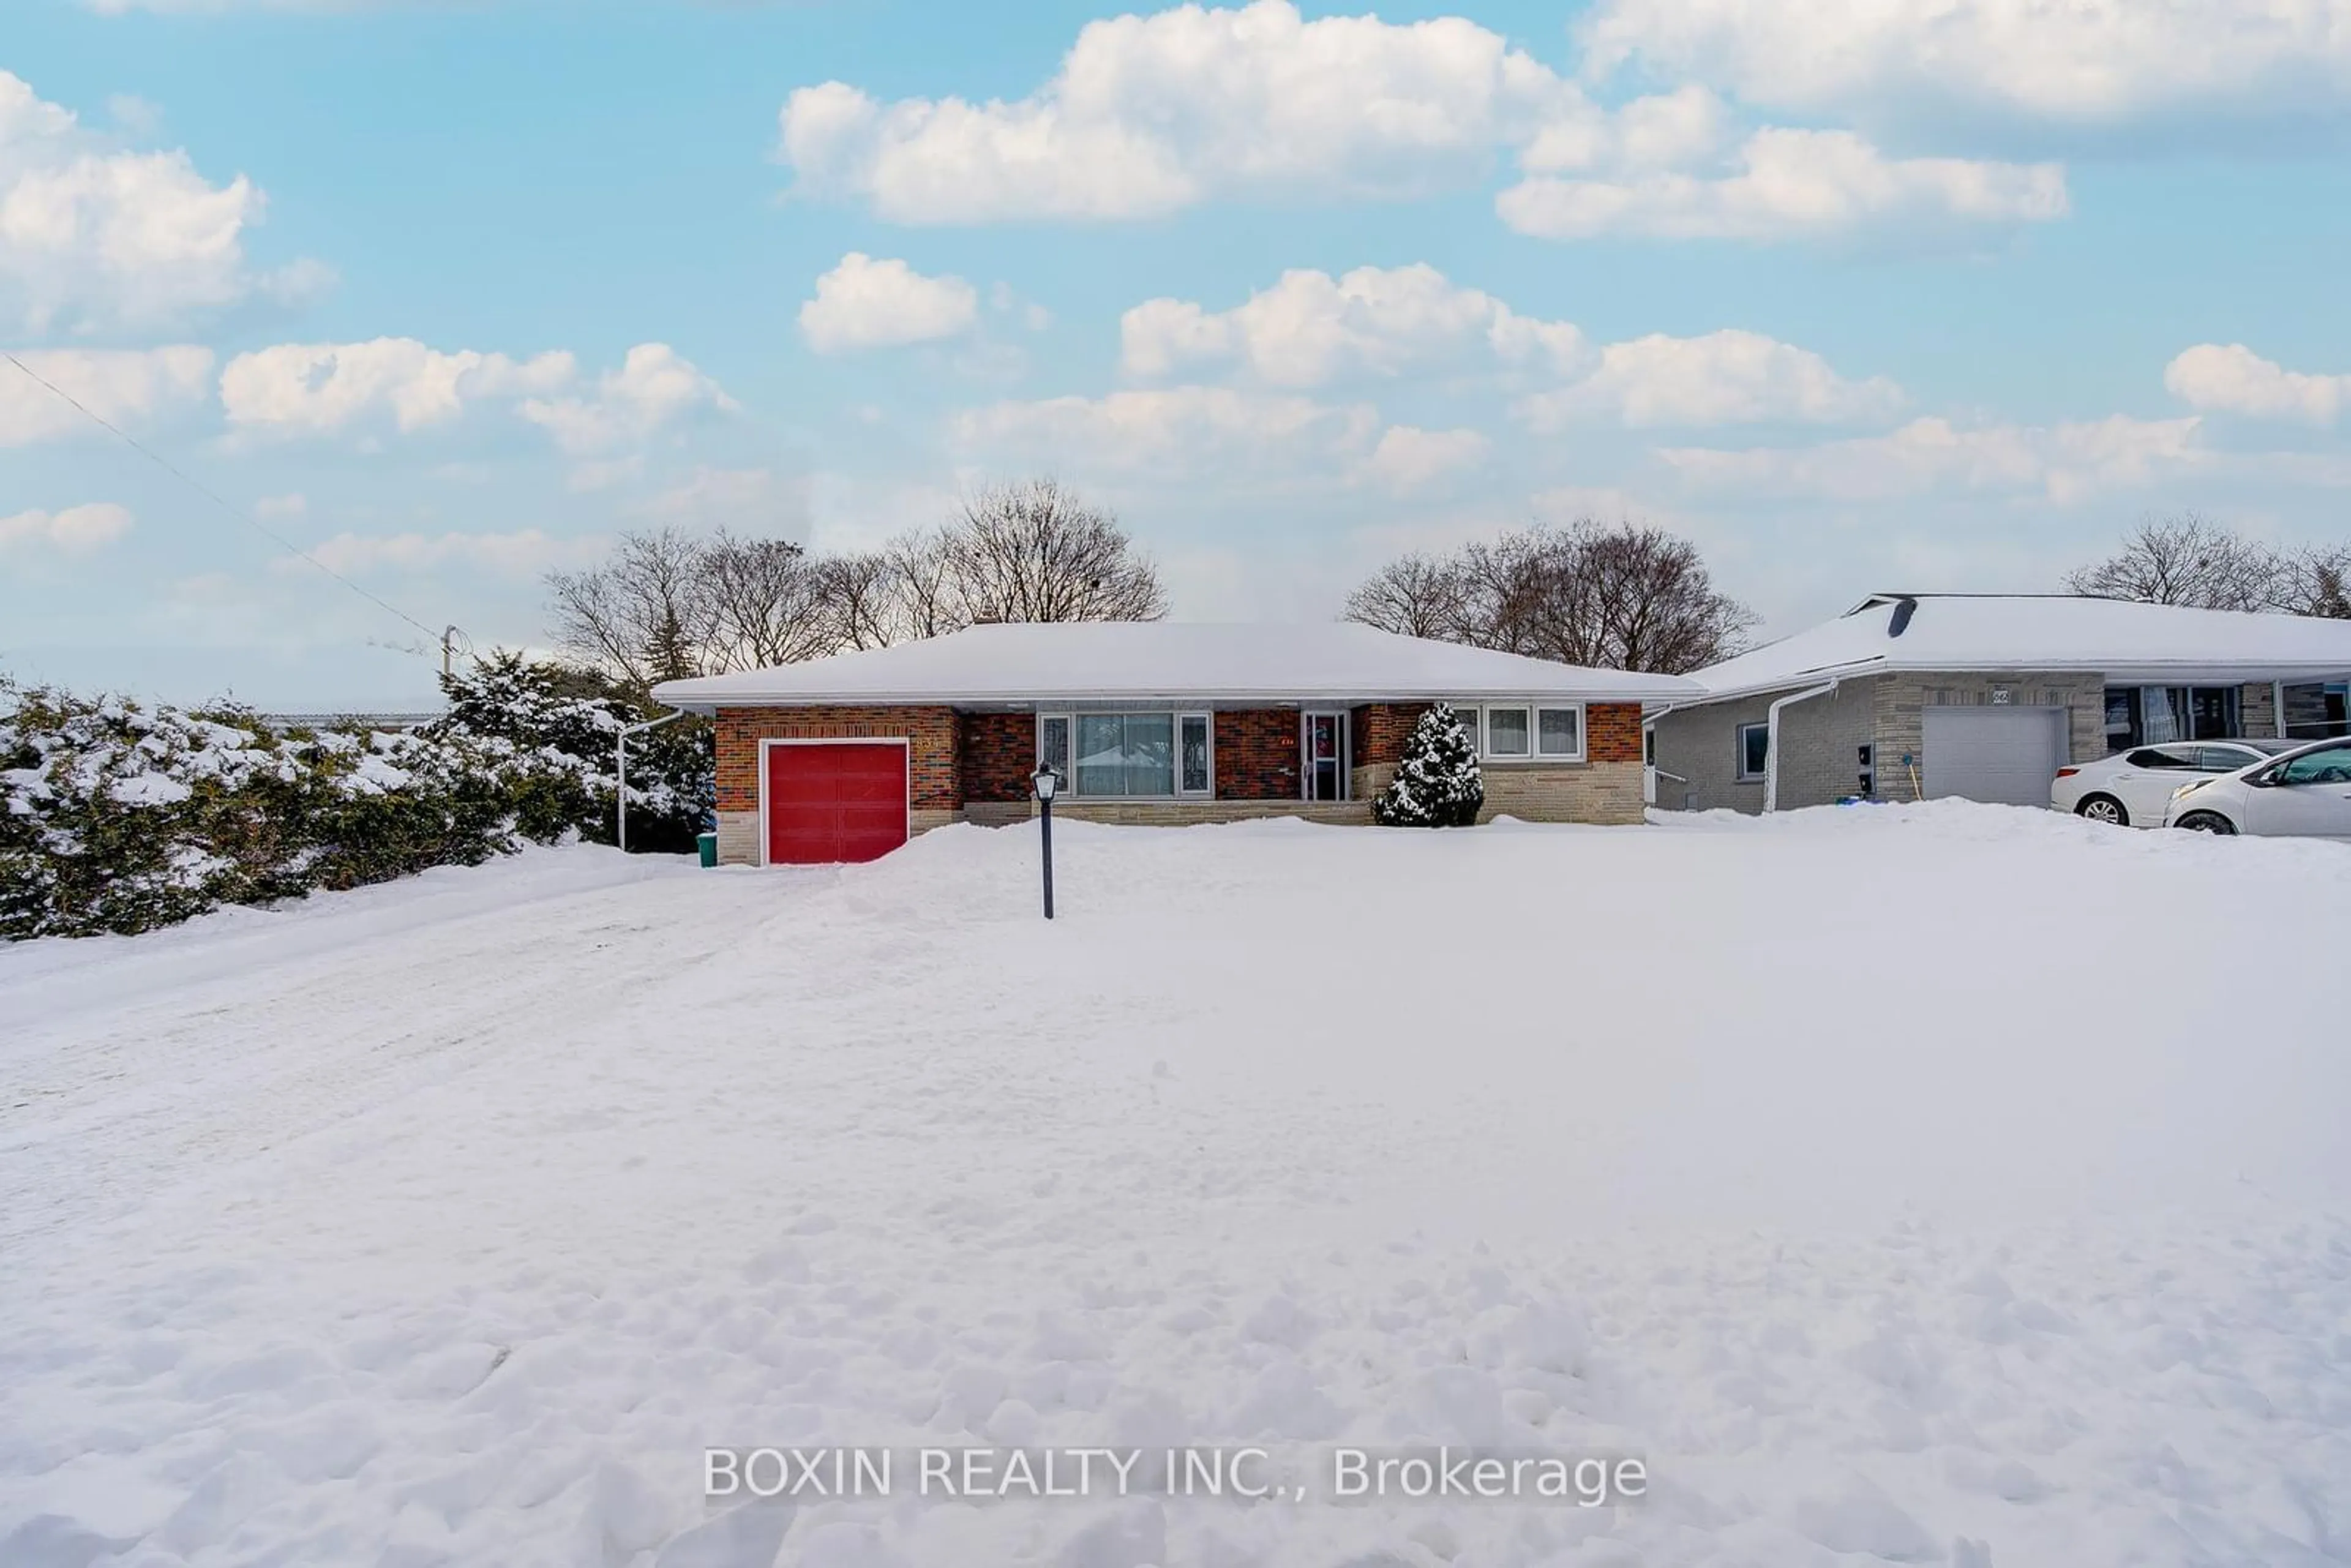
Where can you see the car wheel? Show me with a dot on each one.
(2209, 823)
(2103, 808)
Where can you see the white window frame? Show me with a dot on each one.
(1068, 770)
(1528, 709)
(1208, 722)
(1738, 744)
(1175, 716)
(1534, 737)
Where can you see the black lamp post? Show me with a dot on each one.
(1046, 780)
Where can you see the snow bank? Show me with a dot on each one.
(1897, 1182)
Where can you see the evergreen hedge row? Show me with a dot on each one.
(119, 817)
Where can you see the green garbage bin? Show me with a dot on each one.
(708, 844)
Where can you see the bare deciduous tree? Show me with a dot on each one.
(1034, 551)
(645, 614)
(667, 605)
(2185, 559)
(1625, 596)
(769, 604)
(2192, 560)
(2317, 581)
(1414, 595)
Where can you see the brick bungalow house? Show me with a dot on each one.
(1984, 697)
(843, 758)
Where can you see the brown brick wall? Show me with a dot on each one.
(1380, 730)
(1257, 754)
(1611, 732)
(930, 733)
(999, 754)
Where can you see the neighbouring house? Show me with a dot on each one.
(842, 758)
(1984, 697)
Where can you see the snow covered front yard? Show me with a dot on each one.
(1946, 1183)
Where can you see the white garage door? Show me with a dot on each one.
(2004, 755)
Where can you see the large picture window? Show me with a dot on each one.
(1130, 756)
(1126, 754)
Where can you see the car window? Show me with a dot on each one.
(2331, 765)
(2155, 757)
(2223, 760)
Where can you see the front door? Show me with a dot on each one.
(1325, 743)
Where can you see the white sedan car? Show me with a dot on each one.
(2132, 788)
(2305, 793)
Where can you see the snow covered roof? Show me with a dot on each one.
(1166, 661)
(2123, 640)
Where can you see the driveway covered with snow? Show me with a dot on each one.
(1902, 1184)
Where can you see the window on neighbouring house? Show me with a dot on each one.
(1193, 753)
(1559, 731)
(1125, 754)
(1754, 749)
(1506, 732)
(1468, 714)
(2213, 712)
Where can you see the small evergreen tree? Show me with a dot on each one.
(1437, 783)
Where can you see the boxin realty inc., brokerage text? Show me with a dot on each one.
(1337, 1474)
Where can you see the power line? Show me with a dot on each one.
(239, 513)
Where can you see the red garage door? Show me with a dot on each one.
(835, 802)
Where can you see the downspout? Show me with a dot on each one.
(1772, 740)
(621, 767)
(2277, 707)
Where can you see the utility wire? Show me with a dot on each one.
(239, 513)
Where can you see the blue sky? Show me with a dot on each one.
(1859, 294)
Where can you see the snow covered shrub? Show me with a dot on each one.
(1437, 783)
(120, 819)
(547, 733)
(118, 816)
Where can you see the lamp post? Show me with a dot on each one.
(1046, 780)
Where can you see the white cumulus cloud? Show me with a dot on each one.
(868, 304)
(1786, 184)
(1722, 378)
(2060, 62)
(1310, 328)
(654, 387)
(2235, 380)
(317, 389)
(1151, 114)
(2062, 461)
(123, 386)
(1408, 458)
(77, 530)
(94, 236)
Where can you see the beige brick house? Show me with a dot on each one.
(843, 758)
(1984, 697)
